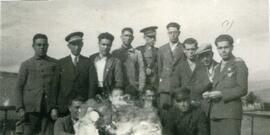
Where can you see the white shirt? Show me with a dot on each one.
(173, 46)
(100, 66)
(192, 65)
(211, 72)
(73, 57)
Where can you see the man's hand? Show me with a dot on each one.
(215, 94)
(21, 112)
(148, 71)
(206, 95)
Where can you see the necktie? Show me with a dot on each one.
(76, 60)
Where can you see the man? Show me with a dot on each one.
(229, 85)
(149, 53)
(65, 125)
(205, 55)
(107, 69)
(37, 86)
(74, 73)
(132, 64)
(183, 118)
(191, 73)
(169, 55)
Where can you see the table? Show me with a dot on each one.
(6, 109)
(252, 114)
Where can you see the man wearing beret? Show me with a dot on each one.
(169, 56)
(149, 53)
(37, 86)
(74, 73)
(184, 118)
(205, 55)
(132, 64)
(229, 85)
(107, 68)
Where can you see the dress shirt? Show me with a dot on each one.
(100, 63)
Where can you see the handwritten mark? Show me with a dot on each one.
(227, 25)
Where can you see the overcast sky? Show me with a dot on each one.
(245, 20)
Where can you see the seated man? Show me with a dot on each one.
(64, 126)
(183, 118)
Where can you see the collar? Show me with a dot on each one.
(126, 47)
(99, 57)
(73, 56)
(40, 58)
(173, 44)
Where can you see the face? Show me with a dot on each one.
(75, 109)
(105, 46)
(54, 114)
(149, 96)
(116, 96)
(127, 37)
(75, 47)
(40, 46)
(183, 104)
(224, 49)
(190, 51)
(150, 40)
(173, 33)
(206, 58)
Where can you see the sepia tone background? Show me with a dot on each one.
(246, 20)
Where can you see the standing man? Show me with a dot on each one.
(190, 73)
(169, 55)
(107, 68)
(229, 85)
(205, 55)
(149, 53)
(132, 64)
(74, 73)
(37, 86)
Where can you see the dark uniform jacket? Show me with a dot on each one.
(37, 84)
(197, 81)
(167, 64)
(152, 79)
(113, 75)
(64, 126)
(192, 122)
(74, 81)
(232, 81)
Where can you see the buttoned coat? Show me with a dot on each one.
(74, 81)
(232, 81)
(37, 82)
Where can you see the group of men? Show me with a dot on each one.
(194, 94)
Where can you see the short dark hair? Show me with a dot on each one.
(39, 35)
(173, 24)
(183, 91)
(77, 98)
(127, 29)
(106, 35)
(224, 37)
(190, 41)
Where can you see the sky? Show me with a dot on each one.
(246, 20)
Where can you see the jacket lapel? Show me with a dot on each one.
(108, 65)
(154, 55)
(168, 53)
(219, 75)
(70, 125)
(187, 69)
(70, 65)
(179, 53)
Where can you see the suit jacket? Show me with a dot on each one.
(37, 83)
(74, 81)
(133, 69)
(192, 122)
(197, 81)
(151, 80)
(232, 81)
(113, 76)
(167, 64)
(64, 126)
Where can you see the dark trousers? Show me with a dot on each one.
(226, 127)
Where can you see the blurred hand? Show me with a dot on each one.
(21, 112)
(215, 94)
(148, 71)
(206, 95)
